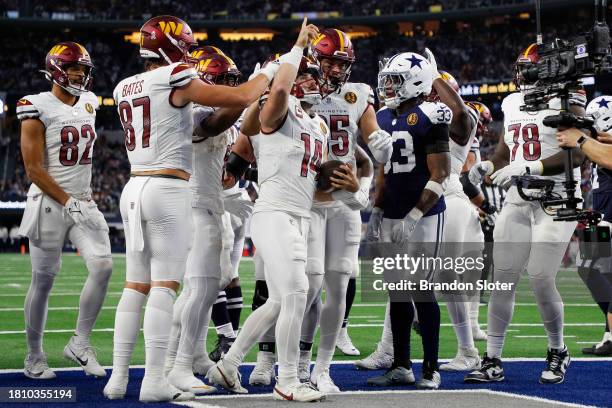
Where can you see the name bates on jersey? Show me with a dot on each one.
(406, 174)
(288, 160)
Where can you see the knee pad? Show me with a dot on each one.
(100, 269)
(260, 296)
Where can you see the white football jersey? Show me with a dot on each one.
(208, 159)
(458, 155)
(342, 111)
(288, 161)
(69, 139)
(157, 134)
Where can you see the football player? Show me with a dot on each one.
(57, 139)
(214, 133)
(155, 109)
(526, 237)
(412, 200)
(289, 150)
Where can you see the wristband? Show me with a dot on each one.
(435, 187)
(365, 182)
(581, 141)
(293, 57)
(415, 214)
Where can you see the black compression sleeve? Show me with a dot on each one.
(468, 188)
(236, 165)
(437, 139)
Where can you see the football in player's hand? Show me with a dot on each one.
(326, 171)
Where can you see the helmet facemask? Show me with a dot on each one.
(62, 78)
(335, 73)
(306, 88)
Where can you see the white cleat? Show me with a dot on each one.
(304, 365)
(159, 390)
(85, 356)
(345, 344)
(202, 363)
(378, 360)
(298, 392)
(186, 381)
(478, 334)
(465, 360)
(228, 378)
(263, 372)
(324, 383)
(36, 367)
(116, 387)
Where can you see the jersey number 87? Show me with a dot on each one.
(127, 119)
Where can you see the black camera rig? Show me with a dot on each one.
(559, 70)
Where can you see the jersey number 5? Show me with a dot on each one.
(531, 140)
(69, 152)
(126, 117)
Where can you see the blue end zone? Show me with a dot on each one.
(587, 383)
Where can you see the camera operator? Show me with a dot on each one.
(597, 275)
(526, 236)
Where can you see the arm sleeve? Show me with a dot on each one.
(469, 189)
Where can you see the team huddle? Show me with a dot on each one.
(307, 143)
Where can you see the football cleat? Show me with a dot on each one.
(378, 360)
(491, 370)
(478, 334)
(557, 362)
(226, 377)
(36, 367)
(263, 372)
(345, 344)
(85, 356)
(159, 390)
(298, 392)
(324, 383)
(431, 379)
(221, 347)
(603, 348)
(186, 381)
(116, 386)
(304, 365)
(465, 360)
(202, 363)
(393, 376)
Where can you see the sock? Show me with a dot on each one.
(288, 336)
(550, 307)
(220, 316)
(400, 316)
(175, 331)
(386, 341)
(127, 328)
(92, 297)
(234, 305)
(203, 292)
(474, 311)
(35, 310)
(458, 313)
(261, 320)
(313, 308)
(332, 314)
(351, 289)
(501, 309)
(156, 327)
(429, 321)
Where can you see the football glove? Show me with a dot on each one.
(503, 176)
(479, 171)
(85, 213)
(403, 230)
(238, 206)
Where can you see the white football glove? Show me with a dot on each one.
(402, 231)
(269, 70)
(503, 176)
(85, 213)
(479, 171)
(373, 231)
(434, 65)
(380, 144)
(238, 206)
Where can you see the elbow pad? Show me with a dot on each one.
(236, 165)
(469, 189)
(381, 145)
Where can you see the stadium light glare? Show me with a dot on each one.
(247, 34)
(357, 32)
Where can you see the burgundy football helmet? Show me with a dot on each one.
(484, 118)
(63, 55)
(528, 58)
(168, 38)
(334, 45)
(449, 79)
(216, 68)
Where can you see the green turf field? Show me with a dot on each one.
(584, 321)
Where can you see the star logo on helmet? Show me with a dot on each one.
(603, 103)
(415, 62)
